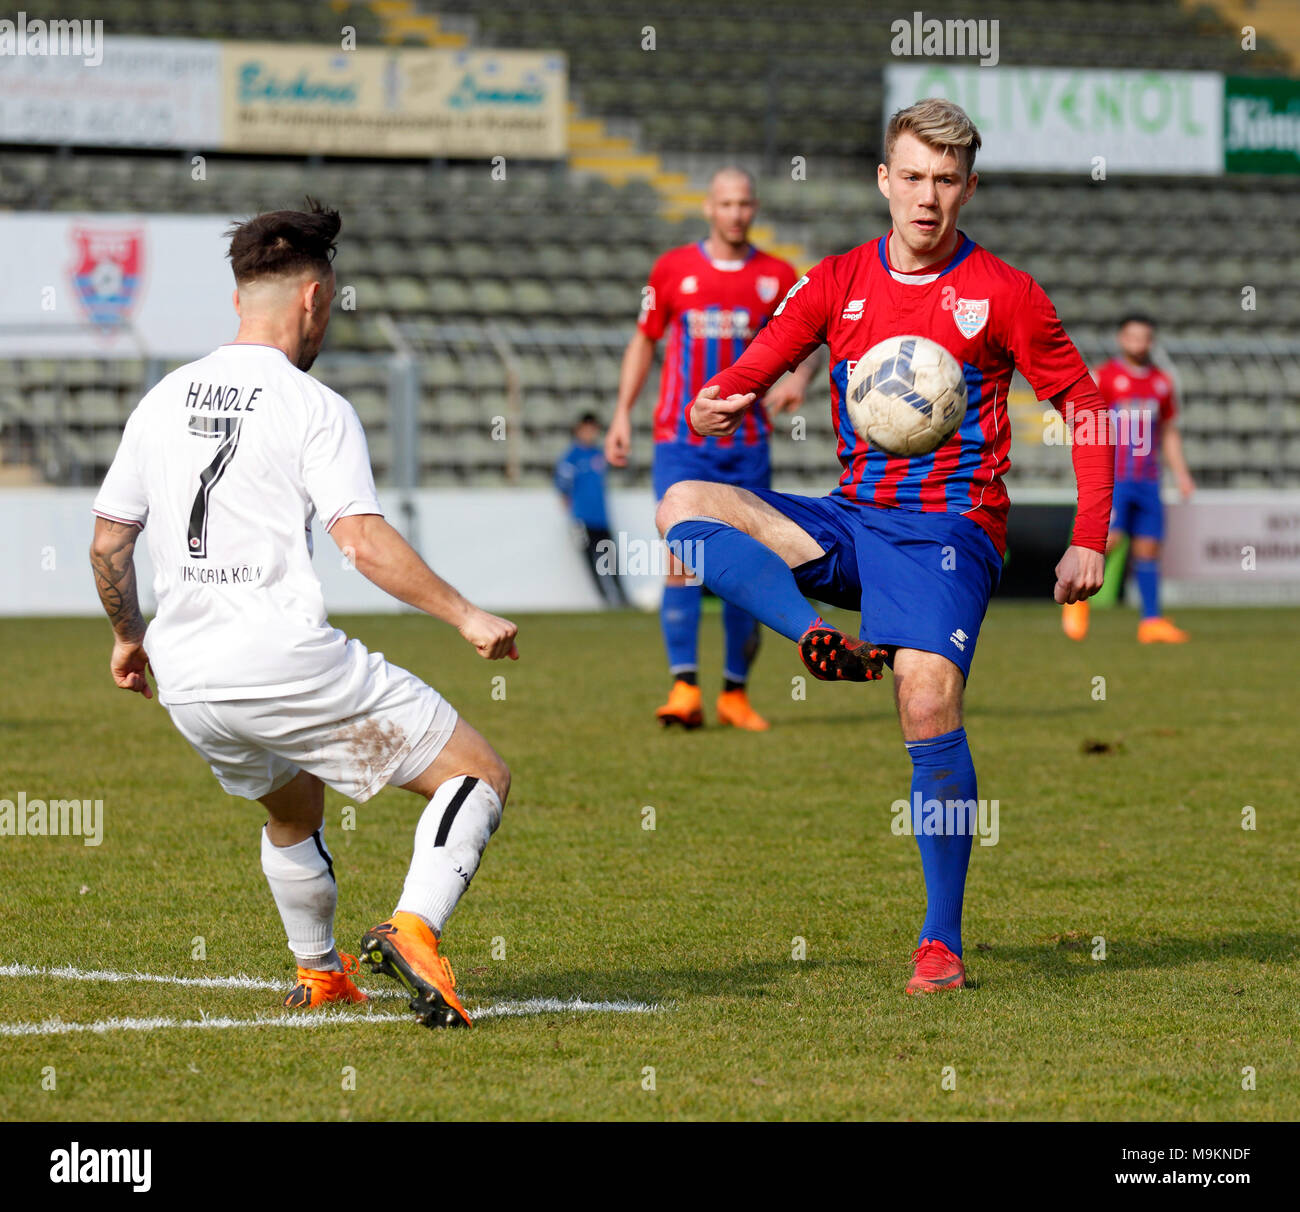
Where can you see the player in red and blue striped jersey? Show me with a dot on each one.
(1144, 407)
(915, 544)
(709, 300)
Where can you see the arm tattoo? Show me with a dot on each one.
(112, 558)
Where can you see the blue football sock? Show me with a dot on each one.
(679, 616)
(740, 632)
(740, 570)
(942, 770)
(1148, 579)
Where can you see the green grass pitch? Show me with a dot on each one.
(1119, 817)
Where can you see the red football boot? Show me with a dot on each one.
(937, 969)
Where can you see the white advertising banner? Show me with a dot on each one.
(1055, 119)
(114, 285)
(275, 97)
(396, 102)
(146, 92)
(1212, 542)
(1234, 538)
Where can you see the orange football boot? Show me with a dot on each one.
(684, 707)
(937, 969)
(1074, 619)
(407, 950)
(734, 710)
(315, 987)
(1160, 631)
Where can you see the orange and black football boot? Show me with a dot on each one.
(1160, 631)
(832, 656)
(1074, 619)
(315, 987)
(684, 707)
(735, 711)
(407, 950)
(937, 969)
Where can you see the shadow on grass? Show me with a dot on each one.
(1072, 956)
(769, 978)
(1022, 710)
(886, 715)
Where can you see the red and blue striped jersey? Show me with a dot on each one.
(992, 318)
(1141, 399)
(710, 312)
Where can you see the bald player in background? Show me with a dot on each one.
(710, 299)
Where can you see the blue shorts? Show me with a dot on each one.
(921, 580)
(1136, 509)
(744, 466)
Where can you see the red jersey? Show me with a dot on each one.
(992, 318)
(710, 310)
(1141, 398)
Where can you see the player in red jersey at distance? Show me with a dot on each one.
(1144, 405)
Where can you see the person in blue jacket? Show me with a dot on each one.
(580, 477)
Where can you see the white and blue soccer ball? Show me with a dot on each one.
(906, 395)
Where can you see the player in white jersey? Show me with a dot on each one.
(226, 460)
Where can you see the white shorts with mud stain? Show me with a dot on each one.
(375, 724)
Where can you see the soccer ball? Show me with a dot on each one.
(907, 395)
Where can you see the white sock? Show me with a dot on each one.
(449, 841)
(302, 881)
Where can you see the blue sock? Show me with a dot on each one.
(942, 770)
(679, 616)
(1148, 579)
(740, 633)
(740, 570)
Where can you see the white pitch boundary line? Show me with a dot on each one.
(55, 1026)
(67, 972)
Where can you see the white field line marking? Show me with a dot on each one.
(69, 973)
(559, 1005)
(321, 1018)
(55, 1026)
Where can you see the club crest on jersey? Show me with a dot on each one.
(767, 287)
(107, 272)
(970, 315)
(690, 285)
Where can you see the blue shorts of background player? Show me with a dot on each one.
(1136, 509)
(744, 466)
(921, 580)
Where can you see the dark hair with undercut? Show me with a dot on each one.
(1135, 317)
(284, 243)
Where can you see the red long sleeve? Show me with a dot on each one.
(1093, 453)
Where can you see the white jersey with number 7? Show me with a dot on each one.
(224, 463)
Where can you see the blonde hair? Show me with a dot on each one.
(940, 123)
